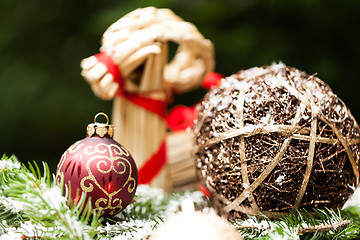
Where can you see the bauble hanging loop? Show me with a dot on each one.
(100, 167)
(103, 114)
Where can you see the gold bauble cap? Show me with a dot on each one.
(100, 129)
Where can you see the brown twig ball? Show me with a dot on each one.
(274, 139)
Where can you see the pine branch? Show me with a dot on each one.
(328, 225)
(310, 229)
(154, 203)
(35, 196)
(30, 199)
(150, 208)
(8, 217)
(324, 227)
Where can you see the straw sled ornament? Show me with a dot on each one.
(133, 69)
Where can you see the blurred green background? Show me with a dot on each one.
(45, 105)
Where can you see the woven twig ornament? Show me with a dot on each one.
(133, 68)
(274, 139)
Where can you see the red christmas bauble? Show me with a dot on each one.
(100, 167)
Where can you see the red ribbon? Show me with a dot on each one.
(153, 165)
(181, 117)
(212, 79)
(113, 69)
(153, 105)
(156, 106)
